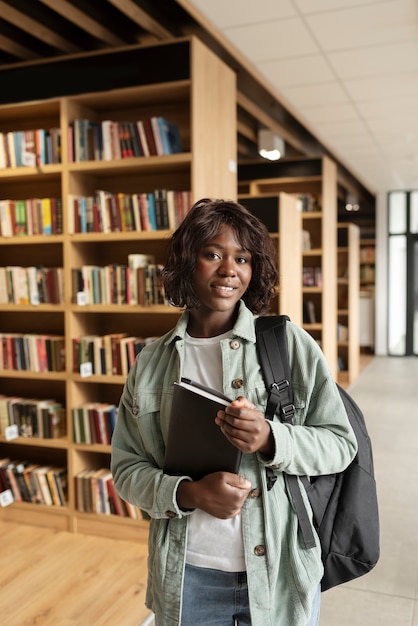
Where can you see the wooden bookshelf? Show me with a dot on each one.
(367, 263)
(314, 182)
(348, 298)
(282, 217)
(196, 91)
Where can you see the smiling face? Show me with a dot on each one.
(222, 275)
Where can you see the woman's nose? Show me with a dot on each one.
(227, 268)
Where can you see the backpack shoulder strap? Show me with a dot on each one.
(274, 360)
(273, 355)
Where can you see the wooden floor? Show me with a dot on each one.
(55, 578)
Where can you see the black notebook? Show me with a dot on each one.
(196, 446)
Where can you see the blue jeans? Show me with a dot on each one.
(215, 598)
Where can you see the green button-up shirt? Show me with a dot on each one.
(282, 575)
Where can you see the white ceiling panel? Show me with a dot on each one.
(314, 95)
(384, 87)
(394, 21)
(236, 12)
(317, 6)
(404, 107)
(392, 126)
(297, 70)
(376, 61)
(331, 113)
(272, 39)
(342, 129)
(360, 141)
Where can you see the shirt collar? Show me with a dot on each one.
(243, 328)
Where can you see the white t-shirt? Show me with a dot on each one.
(212, 542)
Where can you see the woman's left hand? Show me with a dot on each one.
(246, 427)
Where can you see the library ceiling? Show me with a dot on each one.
(275, 88)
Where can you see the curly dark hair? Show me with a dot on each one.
(200, 225)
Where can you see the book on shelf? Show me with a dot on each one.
(309, 312)
(308, 202)
(312, 276)
(136, 263)
(116, 504)
(157, 136)
(10, 471)
(5, 485)
(33, 417)
(143, 138)
(34, 483)
(171, 134)
(34, 285)
(94, 422)
(102, 355)
(306, 240)
(196, 446)
(342, 365)
(30, 148)
(35, 216)
(95, 493)
(342, 332)
(106, 212)
(149, 135)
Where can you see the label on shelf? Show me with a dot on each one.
(11, 432)
(81, 298)
(34, 298)
(6, 497)
(29, 159)
(86, 369)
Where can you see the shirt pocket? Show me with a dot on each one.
(299, 401)
(150, 409)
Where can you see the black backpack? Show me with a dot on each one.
(344, 505)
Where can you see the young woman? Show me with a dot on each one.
(224, 549)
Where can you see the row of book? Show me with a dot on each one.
(367, 254)
(88, 140)
(342, 364)
(31, 482)
(312, 276)
(94, 422)
(32, 352)
(34, 216)
(310, 313)
(367, 273)
(30, 148)
(32, 417)
(106, 212)
(96, 493)
(308, 202)
(106, 355)
(109, 139)
(132, 284)
(306, 240)
(342, 332)
(31, 285)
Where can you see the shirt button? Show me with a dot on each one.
(237, 383)
(254, 493)
(170, 514)
(235, 344)
(259, 551)
(135, 409)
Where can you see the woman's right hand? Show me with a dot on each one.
(221, 494)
